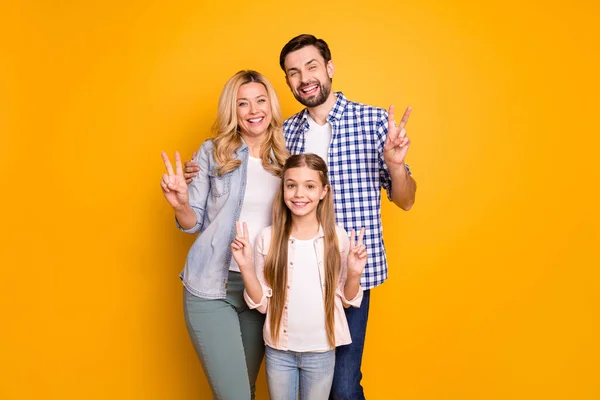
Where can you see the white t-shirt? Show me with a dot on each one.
(306, 304)
(318, 138)
(261, 187)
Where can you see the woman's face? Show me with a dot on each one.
(253, 110)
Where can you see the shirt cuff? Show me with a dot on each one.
(355, 302)
(262, 304)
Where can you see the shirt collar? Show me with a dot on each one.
(320, 234)
(336, 111)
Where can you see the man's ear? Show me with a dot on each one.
(330, 69)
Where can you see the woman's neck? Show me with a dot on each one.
(305, 227)
(254, 144)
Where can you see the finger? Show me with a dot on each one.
(164, 187)
(392, 131)
(167, 162)
(238, 229)
(189, 176)
(391, 120)
(404, 120)
(191, 166)
(244, 242)
(362, 251)
(194, 155)
(352, 236)
(402, 133)
(188, 181)
(360, 237)
(178, 167)
(246, 234)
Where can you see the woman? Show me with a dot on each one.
(239, 175)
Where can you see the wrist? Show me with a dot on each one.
(181, 208)
(353, 275)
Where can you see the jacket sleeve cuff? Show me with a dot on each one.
(262, 304)
(355, 302)
(194, 228)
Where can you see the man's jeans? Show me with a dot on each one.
(347, 376)
(289, 370)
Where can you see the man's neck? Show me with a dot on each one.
(319, 113)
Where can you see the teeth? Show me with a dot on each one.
(309, 88)
(255, 120)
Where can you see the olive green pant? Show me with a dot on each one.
(228, 338)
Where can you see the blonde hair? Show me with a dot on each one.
(277, 257)
(227, 138)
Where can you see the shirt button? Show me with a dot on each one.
(284, 331)
(292, 263)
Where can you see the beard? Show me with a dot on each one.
(315, 100)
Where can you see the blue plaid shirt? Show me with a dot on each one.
(357, 172)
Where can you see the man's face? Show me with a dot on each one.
(308, 76)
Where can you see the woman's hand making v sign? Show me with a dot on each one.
(173, 184)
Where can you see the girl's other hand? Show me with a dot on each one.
(357, 256)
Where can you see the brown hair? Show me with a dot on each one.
(300, 42)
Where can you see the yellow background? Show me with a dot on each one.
(493, 289)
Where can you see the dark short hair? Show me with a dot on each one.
(302, 41)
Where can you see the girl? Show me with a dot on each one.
(304, 271)
(240, 172)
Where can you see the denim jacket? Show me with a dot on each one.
(217, 202)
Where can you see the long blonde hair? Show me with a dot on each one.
(277, 258)
(226, 130)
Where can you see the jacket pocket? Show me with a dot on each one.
(219, 185)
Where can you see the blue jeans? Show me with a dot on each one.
(287, 371)
(347, 376)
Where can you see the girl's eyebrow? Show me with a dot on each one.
(292, 180)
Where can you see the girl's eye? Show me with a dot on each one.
(262, 100)
(242, 104)
(290, 186)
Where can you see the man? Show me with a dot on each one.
(365, 151)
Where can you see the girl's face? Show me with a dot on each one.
(253, 109)
(302, 191)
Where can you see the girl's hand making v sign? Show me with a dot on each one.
(241, 249)
(357, 256)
